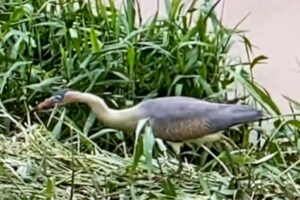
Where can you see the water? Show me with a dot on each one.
(274, 27)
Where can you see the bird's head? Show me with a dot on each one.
(58, 98)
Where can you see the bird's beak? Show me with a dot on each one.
(46, 104)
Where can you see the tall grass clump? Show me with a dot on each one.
(48, 45)
(96, 47)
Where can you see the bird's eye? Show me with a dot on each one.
(57, 98)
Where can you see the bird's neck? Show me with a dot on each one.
(119, 119)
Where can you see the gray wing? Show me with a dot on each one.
(179, 119)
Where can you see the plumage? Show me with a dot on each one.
(179, 119)
(173, 119)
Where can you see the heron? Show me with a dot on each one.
(174, 119)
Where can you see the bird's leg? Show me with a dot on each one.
(180, 165)
(228, 142)
(176, 147)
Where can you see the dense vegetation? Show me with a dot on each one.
(46, 46)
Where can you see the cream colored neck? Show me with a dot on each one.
(120, 119)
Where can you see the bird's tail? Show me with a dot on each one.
(246, 115)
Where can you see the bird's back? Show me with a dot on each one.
(179, 119)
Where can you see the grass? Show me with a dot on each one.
(66, 154)
(45, 168)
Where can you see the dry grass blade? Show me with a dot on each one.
(29, 167)
(26, 169)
